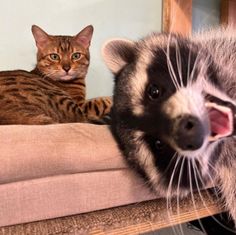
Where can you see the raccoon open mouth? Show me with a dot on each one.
(221, 121)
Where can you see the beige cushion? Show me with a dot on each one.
(58, 170)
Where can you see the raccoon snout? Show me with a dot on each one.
(189, 133)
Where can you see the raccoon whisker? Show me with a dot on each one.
(172, 176)
(179, 63)
(200, 177)
(178, 190)
(192, 194)
(189, 59)
(169, 196)
(175, 155)
(216, 193)
(209, 176)
(199, 192)
(204, 203)
(171, 70)
(203, 66)
(169, 193)
(170, 66)
(194, 67)
(212, 167)
(207, 63)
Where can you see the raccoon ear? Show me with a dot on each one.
(117, 53)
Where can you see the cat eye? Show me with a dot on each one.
(153, 91)
(54, 56)
(76, 56)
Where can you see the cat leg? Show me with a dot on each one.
(97, 108)
(41, 119)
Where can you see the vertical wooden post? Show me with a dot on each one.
(177, 16)
(228, 12)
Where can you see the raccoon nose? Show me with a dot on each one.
(66, 67)
(190, 133)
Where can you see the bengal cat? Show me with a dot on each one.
(65, 60)
(54, 92)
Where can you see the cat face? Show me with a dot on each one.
(63, 58)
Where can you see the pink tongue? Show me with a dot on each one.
(219, 122)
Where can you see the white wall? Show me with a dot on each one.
(110, 18)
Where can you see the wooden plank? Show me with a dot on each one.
(198, 210)
(145, 227)
(228, 12)
(177, 16)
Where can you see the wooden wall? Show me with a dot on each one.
(177, 16)
(228, 12)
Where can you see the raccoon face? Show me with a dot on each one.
(170, 115)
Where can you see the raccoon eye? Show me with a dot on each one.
(153, 92)
(159, 145)
(76, 56)
(54, 56)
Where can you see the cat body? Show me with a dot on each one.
(174, 110)
(29, 99)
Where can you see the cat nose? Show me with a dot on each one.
(66, 67)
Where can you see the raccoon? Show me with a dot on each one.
(174, 110)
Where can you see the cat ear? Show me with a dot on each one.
(84, 36)
(117, 53)
(41, 37)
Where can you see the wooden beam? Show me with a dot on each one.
(177, 16)
(228, 12)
